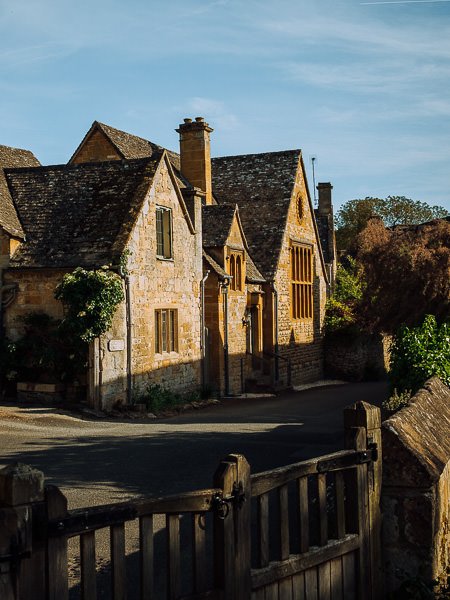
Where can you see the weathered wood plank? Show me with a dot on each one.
(173, 557)
(224, 541)
(269, 480)
(263, 530)
(323, 575)
(303, 514)
(146, 556)
(199, 551)
(285, 589)
(300, 562)
(271, 592)
(242, 532)
(323, 516)
(283, 500)
(298, 587)
(311, 587)
(340, 504)
(258, 594)
(57, 575)
(118, 577)
(349, 576)
(89, 519)
(88, 582)
(336, 579)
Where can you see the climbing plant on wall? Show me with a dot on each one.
(90, 298)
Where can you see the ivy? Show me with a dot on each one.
(90, 298)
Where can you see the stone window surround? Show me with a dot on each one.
(236, 263)
(164, 233)
(301, 274)
(166, 330)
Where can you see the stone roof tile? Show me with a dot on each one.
(216, 224)
(262, 185)
(78, 215)
(12, 157)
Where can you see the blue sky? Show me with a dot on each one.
(362, 86)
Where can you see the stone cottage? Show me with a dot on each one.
(227, 278)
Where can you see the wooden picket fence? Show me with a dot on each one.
(310, 530)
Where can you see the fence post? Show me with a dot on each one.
(368, 417)
(232, 534)
(21, 556)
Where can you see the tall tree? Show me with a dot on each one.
(406, 272)
(354, 215)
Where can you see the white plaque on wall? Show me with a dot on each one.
(116, 345)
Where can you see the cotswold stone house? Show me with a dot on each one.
(227, 280)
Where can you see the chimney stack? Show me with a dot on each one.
(195, 154)
(325, 204)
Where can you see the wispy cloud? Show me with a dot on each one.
(216, 110)
(404, 2)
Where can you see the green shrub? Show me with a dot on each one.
(341, 309)
(397, 400)
(158, 398)
(418, 353)
(45, 352)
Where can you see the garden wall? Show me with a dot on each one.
(416, 488)
(356, 358)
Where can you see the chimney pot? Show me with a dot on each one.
(188, 120)
(199, 119)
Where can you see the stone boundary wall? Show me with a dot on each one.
(365, 357)
(416, 488)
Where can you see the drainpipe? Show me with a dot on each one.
(129, 337)
(277, 367)
(224, 288)
(202, 333)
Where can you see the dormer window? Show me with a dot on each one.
(163, 232)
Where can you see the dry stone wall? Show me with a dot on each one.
(416, 488)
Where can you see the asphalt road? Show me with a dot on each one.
(98, 461)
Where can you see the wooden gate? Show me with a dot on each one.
(309, 530)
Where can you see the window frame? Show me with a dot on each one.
(164, 233)
(236, 270)
(166, 330)
(302, 281)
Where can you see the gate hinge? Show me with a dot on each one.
(369, 455)
(222, 503)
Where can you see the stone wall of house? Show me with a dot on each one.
(35, 293)
(237, 301)
(357, 358)
(416, 488)
(301, 340)
(95, 149)
(161, 284)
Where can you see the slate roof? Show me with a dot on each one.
(216, 224)
(78, 215)
(214, 265)
(12, 157)
(132, 146)
(261, 184)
